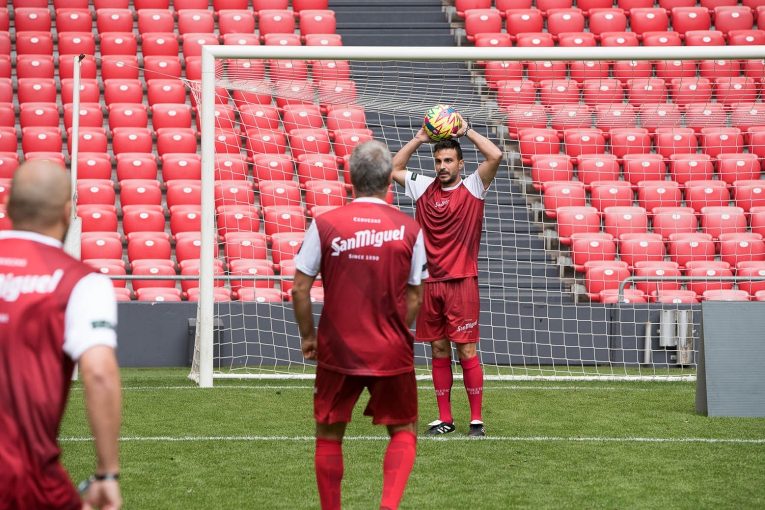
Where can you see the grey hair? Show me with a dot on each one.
(371, 165)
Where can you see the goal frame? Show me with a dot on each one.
(205, 310)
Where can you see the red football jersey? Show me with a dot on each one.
(369, 252)
(451, 220)
(36, 281)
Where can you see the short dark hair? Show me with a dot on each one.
(451, 143)
(371, 165)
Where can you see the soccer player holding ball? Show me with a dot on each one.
(450, 211)
(372, 259)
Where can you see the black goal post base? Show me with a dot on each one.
(731, 363)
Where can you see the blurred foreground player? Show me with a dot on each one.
(372, 259)
(54, 311)
(450, 211)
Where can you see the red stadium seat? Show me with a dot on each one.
(597, 167)
(318, 166)
(135, 166)
(340, 117)
(100, 245)
(150, 268)
(706, 193)
(611, 39)
(283, 219)
(34, 43)
(698, 116)
(716, 140)
(161, 67)
(299, 5)
(653, 116)
(646, 90)
(260, 295)
(562, 194)
(159, 44)
(184, 191)
(576, 220)
(753, 271)
(686, 167)
(89, 91)
(331, 70)
(317, 21)
(732, 167)
(747, 115)
(282, 40)
(614, 116)
(676, 297)
(691, 90)
(625, 70)
(121, 67)
(668, 221)
(583, 141)
(34, 66)
(347, 139)
(714, 69)
(285, 245)
(73, 20)
(462, 5)
(582, 70)
(643, 167)
(324, 193)
(9, 161)
(602, 276)
(704, 38)
(8, 140)
(229, 167)
(538, 141)
(272, 166)
(745, 37)
(591, 247)
(672, 141)
(114, 20)
(185, 218)
(195, 21)
(749, 193)
(127, 115)
(653, 194)
(252, 268)
(237, 192)
(556, 92)
(686, 247)
(123, 91)
(722, 220)
(551, 167)
(499, 40)
(683, 70)
(574, 118)
(740, 89)
(259, 117)
(237, 218)
(606, 20)
(625, 220)
(95, 191)
(535, 39)
(757, 220)
(275, 21)
(729, 18)
(187, 246)
(657, 269)
(37, 114)
(648, 20)
(480, 21)
(513, 92)
(148, 245)
(118, 43)
(176, 140)
(323, 40)
(602, 91)
(708, 269)
(244, 245)
(277, 193)
(140, 192)
(192, 43)
(220, 294)
(685, 19)
(90, 139)
(741, 247)
(168, 115)
(158, 295)
(166, 91)
(523, 116)
(661, 39)
(236, 21)
(98, 218)
(606, 194)
(628, 296)
(143, 218)
(41, 139)
(36, 90)
(550, 70)
(519, 21)
(155, 21)
(639, 248)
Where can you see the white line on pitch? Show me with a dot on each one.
(421, 388)
(516, 439)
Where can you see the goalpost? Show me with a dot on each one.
(273, 118)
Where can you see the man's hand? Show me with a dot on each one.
(422, 136)
(308, 346)
(104, 495)
(463, 127)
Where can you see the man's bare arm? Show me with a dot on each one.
(402, 157)
(413, 302)
(492, 154)
(301, 303)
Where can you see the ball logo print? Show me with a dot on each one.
(441, 122)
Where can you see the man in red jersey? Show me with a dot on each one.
(450, 211)
(54, 311)
(372, 259)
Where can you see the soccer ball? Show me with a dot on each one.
(441, 122)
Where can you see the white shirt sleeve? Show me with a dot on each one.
(474, 184)
(416, 184)
(308, 259)
(91, 316)
(419, 269)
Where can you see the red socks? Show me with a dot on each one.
(398, 463)
(328, 461)
(472, 374)
(442, 382)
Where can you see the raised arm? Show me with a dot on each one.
(402, 157)
(492, 154)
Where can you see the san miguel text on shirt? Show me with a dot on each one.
(365, 238)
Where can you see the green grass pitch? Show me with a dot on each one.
(247, 444)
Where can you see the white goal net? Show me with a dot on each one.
(619, 163)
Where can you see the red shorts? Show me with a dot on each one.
(450, 310)
(392, 401)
